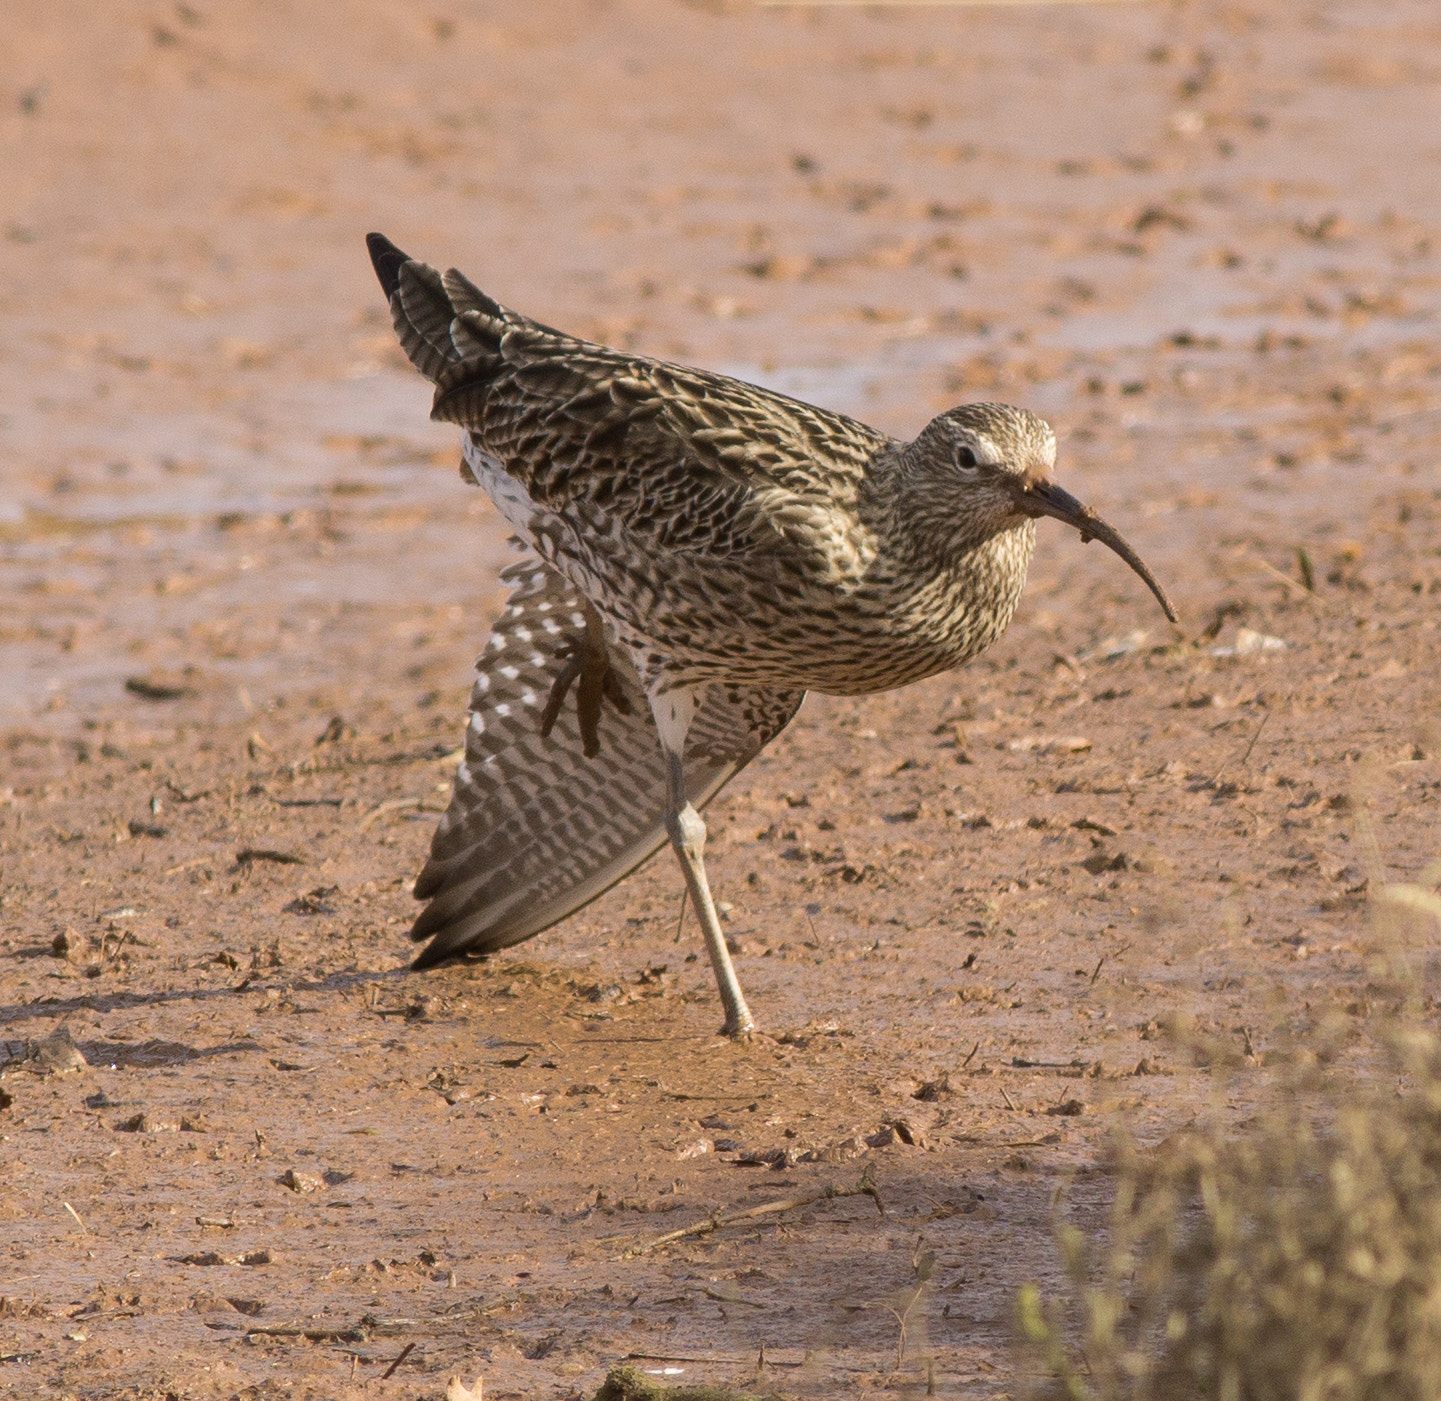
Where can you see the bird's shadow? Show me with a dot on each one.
(49, 1008)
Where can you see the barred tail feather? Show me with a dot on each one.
(535, 830)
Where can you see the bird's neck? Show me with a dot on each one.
(953, 577)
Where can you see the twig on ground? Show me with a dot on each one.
(405, 1352)
(1290, 583)
(189, 865)
(392, 805)
(246, 857)
(1216, 777)
(724, 1296)
(1117, 953)
(865, 1187)
(710, 1358)
(1247, 755)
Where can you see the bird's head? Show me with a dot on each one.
(989, 467)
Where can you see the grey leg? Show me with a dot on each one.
(687, 836)
(683, 824)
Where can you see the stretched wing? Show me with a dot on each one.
(535, 830)
(678, 459)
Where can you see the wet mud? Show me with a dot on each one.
(243, 1151)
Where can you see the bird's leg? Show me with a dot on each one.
(588, 659)
(673, 711)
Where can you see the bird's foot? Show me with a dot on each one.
(587, 660)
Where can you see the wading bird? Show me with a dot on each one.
(701, 553)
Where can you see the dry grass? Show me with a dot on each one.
(1299, 1260)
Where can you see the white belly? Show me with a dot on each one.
(510, 497)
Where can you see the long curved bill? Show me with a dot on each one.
(1044, 498)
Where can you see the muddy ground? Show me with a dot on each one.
(242, 588)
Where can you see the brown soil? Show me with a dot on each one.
(1202, 239)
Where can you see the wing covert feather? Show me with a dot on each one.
(679, 459)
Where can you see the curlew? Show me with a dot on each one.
(700, 554)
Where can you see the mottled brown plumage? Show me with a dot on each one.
(707, 552)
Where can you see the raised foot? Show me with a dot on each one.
(585, 658)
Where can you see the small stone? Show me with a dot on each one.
(301, 1181)
(1248, 642)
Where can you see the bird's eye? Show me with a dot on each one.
(965, 457)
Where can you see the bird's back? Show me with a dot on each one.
(682, 459)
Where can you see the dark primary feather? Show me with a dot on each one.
(387, 260)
